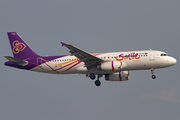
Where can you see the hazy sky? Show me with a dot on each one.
(94, 26)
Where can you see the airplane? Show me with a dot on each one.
(115, 66)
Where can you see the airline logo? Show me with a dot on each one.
(18, 46)
(129, 56)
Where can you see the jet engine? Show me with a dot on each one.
(119, 76)
(112, 66)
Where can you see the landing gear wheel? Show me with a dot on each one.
(152, 72)
(153, 77)
(92, 76)
(97, 83)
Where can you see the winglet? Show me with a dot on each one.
(63, 44)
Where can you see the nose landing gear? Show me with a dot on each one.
(153, 77)
(152, 72)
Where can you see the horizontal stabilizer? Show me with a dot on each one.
(16, 61)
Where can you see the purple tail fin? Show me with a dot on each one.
(20, 49)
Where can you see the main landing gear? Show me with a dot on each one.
(92, 76)
(97, 82)
(152, 72)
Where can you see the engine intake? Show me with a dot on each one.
(119, 76)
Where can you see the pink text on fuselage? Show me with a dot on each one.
(129, 56)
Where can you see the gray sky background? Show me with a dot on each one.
(94, 26)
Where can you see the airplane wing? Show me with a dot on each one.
(87, 58)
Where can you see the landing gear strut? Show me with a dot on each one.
(152, 72)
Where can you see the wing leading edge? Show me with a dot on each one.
(88, 59)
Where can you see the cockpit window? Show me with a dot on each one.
(164, 54)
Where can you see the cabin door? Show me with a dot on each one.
(151, 55)
(39, 62)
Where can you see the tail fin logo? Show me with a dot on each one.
(18, 46)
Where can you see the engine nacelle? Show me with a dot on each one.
(112, 66)
(119, 76)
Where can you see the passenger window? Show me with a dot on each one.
(162, 54)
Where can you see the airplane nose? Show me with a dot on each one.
(173, 61)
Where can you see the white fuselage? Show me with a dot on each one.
(134, 60)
